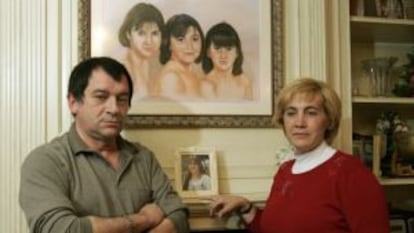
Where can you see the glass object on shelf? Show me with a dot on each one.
(393, 9)
(391, 126)
(378, 69)
(408, 9)
(355, 87)
(357, 7)
(403, 157)
(355, 90)
(405, 85)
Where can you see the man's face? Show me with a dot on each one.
(101, 113)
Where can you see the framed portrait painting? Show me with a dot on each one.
(191, 66)
(196, 172)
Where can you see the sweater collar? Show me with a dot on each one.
(309, 160)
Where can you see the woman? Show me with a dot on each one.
(182, 47)
(223, 64)
(322, 189)
(196, 177)
(140, 33)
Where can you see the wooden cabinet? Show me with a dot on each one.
(365, 38)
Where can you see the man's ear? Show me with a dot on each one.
(73, 104)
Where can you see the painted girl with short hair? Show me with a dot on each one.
(223, 64)
(141, 34)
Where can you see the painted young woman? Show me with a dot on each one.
(223, 64)
(181, 49)
(141, 33)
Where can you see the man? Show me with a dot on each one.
(91, 179)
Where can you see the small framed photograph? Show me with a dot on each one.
(196, 172)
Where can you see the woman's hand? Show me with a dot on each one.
(223, 205)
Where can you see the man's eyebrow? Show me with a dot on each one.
(100, 91)
(124, 93)
(103, 91)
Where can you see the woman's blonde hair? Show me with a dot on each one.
(310, 88)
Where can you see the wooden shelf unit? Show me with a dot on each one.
(371, 37)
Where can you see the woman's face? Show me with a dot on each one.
(186, 49)
(145, 40)
(193, 167)
(222, 57)
(305, 122)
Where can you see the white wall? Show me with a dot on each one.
(244, 155)
(38, 47)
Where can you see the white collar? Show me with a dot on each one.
(309, 160)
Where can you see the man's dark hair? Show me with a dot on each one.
(79, 78)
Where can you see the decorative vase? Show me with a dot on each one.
(378, 69)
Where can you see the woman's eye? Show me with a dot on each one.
(312, 113)
(290, 113)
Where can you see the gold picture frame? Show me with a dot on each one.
(210, 120)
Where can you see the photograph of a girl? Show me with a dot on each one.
(196, 174)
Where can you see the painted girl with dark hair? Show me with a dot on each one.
(223, 64)
(141, 33)
(181, 48)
